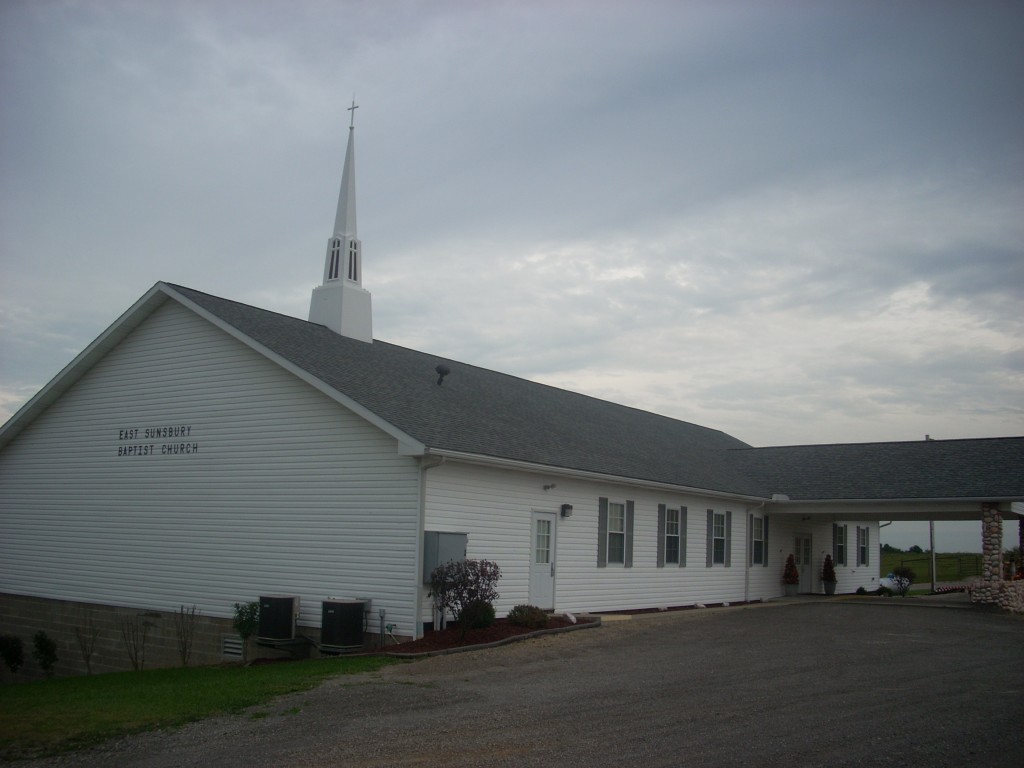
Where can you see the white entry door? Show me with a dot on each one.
(803, 562)
(542, 561)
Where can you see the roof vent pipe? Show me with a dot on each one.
(442, 371)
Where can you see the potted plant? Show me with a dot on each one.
(828, 575)
(791, 576)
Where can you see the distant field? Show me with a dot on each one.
(949, 566)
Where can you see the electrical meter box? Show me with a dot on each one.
(439, 548)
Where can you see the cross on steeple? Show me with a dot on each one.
(352, 111)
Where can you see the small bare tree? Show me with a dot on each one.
(86, 637)
(134, 630)
(185, 630)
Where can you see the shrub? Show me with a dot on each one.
(246, 622)
(529, 616)
(12, 652)
(454, 585)
(903, 577)
(477, 615)
(828, 570)
(44, 651)
(861, 591)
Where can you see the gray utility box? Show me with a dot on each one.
(440, 548)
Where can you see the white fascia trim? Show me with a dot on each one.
(549, 469)
(407, 446)
(935, 500)
(128, 321)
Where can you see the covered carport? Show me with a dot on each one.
(929, 480)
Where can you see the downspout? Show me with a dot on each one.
(426, 463)
(750, 544)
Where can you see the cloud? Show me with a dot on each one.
(792, 223)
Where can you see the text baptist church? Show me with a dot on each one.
(303, 459)
(129, 445)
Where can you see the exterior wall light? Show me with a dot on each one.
(567, 510)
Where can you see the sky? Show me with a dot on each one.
(796, 222)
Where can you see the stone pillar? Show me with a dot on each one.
(988, 589)
(992, 588)
(991, 543)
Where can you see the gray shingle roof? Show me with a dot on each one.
(487, 413)
(493, 414)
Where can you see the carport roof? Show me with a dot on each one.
(988, 468)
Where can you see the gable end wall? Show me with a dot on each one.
(274, 488)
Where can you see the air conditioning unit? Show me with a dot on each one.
(278, 615)
(341, 624)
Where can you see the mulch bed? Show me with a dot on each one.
(451, 638)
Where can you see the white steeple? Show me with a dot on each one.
(340, 302)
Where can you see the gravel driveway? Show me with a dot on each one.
(808, 683)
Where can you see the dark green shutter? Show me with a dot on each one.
(661, 535)
(764, 546)
(711, 537)
(682, 537)
(628, 558)
(750, 539)
(867, 546)
(602, 532)
(728, 539)
(835, 543)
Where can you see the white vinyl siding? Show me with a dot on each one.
(286, 491)
(494, 507)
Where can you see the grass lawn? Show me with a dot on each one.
(949, 566)
(49, 716)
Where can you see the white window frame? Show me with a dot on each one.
(616, 514)
(757, 553)
(863, 542)
(718, 558)
(671, 536)
(840, 544)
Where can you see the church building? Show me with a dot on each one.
(202, 453)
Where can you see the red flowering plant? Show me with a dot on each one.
(790, 575)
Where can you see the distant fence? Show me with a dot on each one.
(947, 567)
